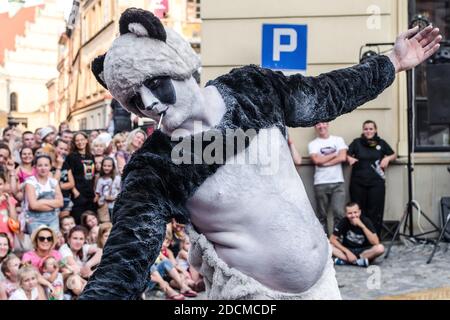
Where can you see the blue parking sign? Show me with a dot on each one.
(284, 46)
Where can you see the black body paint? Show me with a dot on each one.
(162, 88)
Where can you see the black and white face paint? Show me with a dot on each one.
(162, 97)
(156, 95)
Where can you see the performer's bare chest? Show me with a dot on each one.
(256, 212)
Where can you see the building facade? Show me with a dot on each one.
(82, 101)
(232, 37)
(28, 56)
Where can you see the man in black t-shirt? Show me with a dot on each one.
(360, 243)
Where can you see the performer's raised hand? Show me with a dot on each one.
(412, 48)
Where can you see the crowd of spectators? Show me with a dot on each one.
(57, 194)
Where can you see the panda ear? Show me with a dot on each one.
(142, 23)
(97, 70)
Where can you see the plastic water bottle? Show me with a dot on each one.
(378, 169)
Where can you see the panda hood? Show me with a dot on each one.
(144, 49)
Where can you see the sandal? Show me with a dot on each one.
(174, 296)
(189, 293)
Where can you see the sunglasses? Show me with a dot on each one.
(42, 239)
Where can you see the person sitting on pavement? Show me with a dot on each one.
(360, 244)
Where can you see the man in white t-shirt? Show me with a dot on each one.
(328, 152)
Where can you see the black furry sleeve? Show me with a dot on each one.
(308, 100)
(141, 212)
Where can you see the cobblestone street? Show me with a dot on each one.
(404, 271)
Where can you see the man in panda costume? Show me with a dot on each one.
(253, 231)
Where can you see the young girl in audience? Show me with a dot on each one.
(29, 288)
(7, 210)
(93, 235)
(98, 166)
(26, 168)
(24, 171)
(178, 234)
(76, 285)
(103, 234)
(188, 270)
(10, 268)
(50, 271)
(107, 188)
(89, 219)
(66, 223)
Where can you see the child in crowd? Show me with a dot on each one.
(93, 235)
(50, 271)
(178, 234)
(183, 279)
(188, 270)
(26, 168)
(98, 165)
(75, 284)
(89, 219)
(103, 234)
(107, 189)
(8, 215)
(10, 268)
(182, 257)
(60, 240)
(66, 223)
(29, 288)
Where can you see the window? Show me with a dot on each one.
(13, 101)
(197, 9)
(193, 10)
(106, 12)
(99, 120)
(432, 102)
(83, 124)
(84, 30)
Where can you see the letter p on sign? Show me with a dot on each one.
(284, 47)
(278, 47)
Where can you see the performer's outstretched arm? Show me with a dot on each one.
(309, 100)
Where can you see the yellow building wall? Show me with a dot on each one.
(232, 37)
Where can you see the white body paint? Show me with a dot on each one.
(262, 224)
(255, 211)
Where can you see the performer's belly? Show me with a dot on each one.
(259, 217)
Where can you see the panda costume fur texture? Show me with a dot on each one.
(254, 233)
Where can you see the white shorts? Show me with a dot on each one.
(225, 283)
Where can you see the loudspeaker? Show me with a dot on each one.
(445, 214)
(438, 80)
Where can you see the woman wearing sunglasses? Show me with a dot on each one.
(44, 240)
